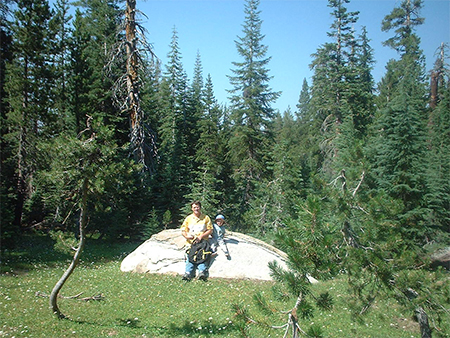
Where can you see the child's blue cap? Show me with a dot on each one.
(220, 217)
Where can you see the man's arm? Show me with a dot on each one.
(204, 234)
(185, 229)
(186, 235)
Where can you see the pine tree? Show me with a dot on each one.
(303, 102)
(91, 87)
(62, 43)
(173, 171)
(79, 81)
(439, 145)
(96, 34)
(210, 153)
(251, 109)
(313, 251)
(400, 163)
(194, 112)
(286, 186)
(360, 96)
(331, 64)
(308, 135)
(7, 232)
(351, 134)
(81, 171)
(27, 95)
(334, 81)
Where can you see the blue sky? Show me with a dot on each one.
(293, 30)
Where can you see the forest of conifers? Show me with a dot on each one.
(357, 173)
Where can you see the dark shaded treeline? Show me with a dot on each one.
(245, 160)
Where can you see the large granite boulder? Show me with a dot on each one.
(442, 258)
(164, 253)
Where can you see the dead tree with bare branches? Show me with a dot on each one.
(127, 90)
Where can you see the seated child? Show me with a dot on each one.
(218, 235)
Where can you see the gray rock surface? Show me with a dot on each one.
(442, 257)
(164, 253)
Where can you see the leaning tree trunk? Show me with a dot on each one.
(293, 320)
(422, 318)
(76, 257)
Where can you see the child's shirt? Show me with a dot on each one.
(219, 231)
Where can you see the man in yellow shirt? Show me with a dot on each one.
(196, 227)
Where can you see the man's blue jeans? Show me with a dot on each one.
(190, 268)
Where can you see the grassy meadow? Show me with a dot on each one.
(150, 305)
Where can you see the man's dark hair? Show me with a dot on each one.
(197, 203)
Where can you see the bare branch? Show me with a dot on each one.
(343, 178)
(359, 184)
(98, 297)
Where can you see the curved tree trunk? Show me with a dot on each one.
(422, 318)
(76, 257)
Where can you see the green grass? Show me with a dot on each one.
(149, 305)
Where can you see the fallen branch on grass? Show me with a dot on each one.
(77, 297)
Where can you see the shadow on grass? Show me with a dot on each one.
(38, 248)
(193, 329)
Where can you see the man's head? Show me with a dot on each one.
(197, 202)
(196, 207)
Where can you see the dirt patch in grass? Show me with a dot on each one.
(407, 324)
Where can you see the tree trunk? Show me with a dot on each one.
(293, 319)
(434, 89)
(422, 318)
(132, 65)
(76, 257)
(21, 166)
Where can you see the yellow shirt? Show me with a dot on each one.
(195, 226)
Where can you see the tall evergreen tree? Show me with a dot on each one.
(95, 34)
(62, 44)
(400, 158)
(287, 185)
(360, 96)
(173, 170)
(334, 81)
(359, 105)
(207, 185)
(79, 81)
(195, 111)
(28, 97)
(438, 173)
(331, 63)
(252, 114)
(308, 136)
(8, 231)
(401, 167)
